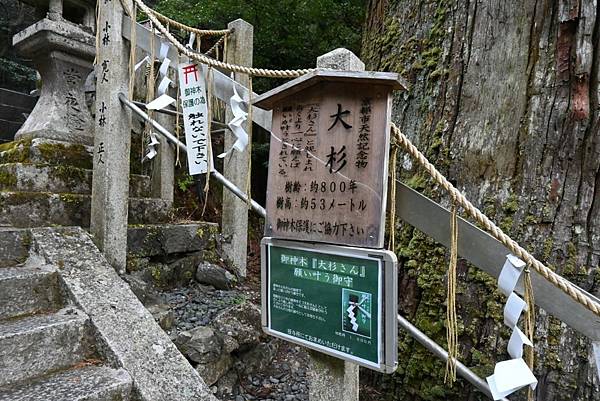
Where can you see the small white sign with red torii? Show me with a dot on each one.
(194, 107)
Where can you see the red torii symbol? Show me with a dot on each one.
(189, 69)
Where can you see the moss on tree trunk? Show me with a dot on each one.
(504, 101)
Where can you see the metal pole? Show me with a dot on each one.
(173, 112)
(219, 177)
(441, 353)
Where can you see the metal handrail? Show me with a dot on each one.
(441, 353)
(216, 174)
(413, 331)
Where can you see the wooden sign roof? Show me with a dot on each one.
(269, 99)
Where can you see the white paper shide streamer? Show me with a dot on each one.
(512, 375)
(239, 117)
(150, 146)
(163, 100)
(194, 108)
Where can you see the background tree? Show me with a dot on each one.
(288, 34)
(15, 72)
(504, 100)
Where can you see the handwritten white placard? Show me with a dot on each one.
(194, 107)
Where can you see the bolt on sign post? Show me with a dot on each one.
(328, 160)
(339, 300)
(327, 187)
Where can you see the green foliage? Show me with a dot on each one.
(16, 76)
(287, 34)
(185, 182)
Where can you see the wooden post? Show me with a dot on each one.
(112, 137)
(235, 165)
(163, 166)
(332, 379)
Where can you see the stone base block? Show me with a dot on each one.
(22, 177)
(39, 209)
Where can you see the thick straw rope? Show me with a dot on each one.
(259, 72)
(216, 45)
(451, 317)
(178, 25)
(529, 325)
(574, 292)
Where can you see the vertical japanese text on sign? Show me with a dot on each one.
(328, 158)
(194, 106)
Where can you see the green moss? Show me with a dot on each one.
(15, 152)
(417, 182)
(70, 175)
(548, 243)
(7, 179)
(531, 220)
(511, 205)
(72, 154)
(70, 198)
(155, 271)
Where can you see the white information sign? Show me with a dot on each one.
(194, 107)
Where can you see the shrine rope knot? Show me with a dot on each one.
(558, 281)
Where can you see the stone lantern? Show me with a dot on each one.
(62, 48)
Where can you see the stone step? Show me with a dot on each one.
(28, 290)
(13, 113)
(8, 129)
(148, 240)
(88, 383)
(47, 151)
(36, 345)
(17, 99)
(22, 177)
(41, 209)
(14, 246)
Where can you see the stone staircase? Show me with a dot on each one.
(47, 345)
(45, 182)
(72, 330)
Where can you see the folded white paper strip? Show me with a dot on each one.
(516, 342)
(164, 67)
(509, 376)
(239, 117)
(139, 64)
(150, 155)
(164, 50)
(190, 44)
(153, 139)
(160, 102)
(151, 151)
(513, 309)
(510, 273)
(164, 85)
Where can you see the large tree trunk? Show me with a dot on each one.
(504, 100)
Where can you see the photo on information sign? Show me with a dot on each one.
(356, 312)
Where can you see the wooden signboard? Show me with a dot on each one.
(328, 159)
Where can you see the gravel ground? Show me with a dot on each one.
(197, 304)
(284, 379)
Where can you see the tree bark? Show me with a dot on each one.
(504, 101)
